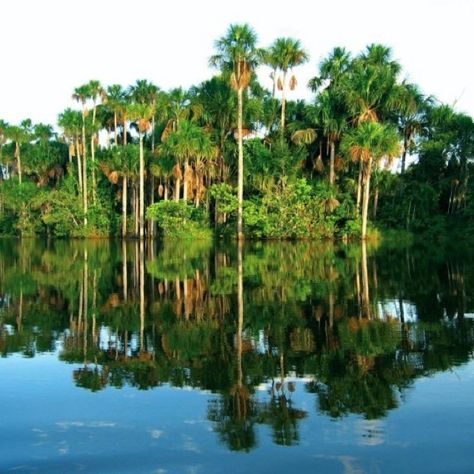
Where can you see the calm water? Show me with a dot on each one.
(197, 358)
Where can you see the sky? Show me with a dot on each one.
(49, 47)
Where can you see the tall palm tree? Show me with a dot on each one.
(285, 54)
(371, 83)
(95, 91)
(70, 122)
(142, 113)
(237, 54)
(115, 98)
(81, 95)
(368, 143)
(19, 135)
(408, 101)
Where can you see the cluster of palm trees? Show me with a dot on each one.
(157, 144)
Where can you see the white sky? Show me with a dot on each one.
(49, 47)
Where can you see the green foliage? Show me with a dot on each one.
(179, 219)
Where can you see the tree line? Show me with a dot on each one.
(227, 153)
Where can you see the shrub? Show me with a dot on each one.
(179, 219)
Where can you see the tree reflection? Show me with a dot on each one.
(245, 322)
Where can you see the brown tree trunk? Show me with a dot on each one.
(332, 156)
(142, 189)
(240, 179)
(283, 103)
(366, 196)
(79, 165)
(359, 186)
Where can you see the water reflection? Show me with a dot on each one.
(353, 325)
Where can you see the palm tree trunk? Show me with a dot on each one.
(18, 160)
(404, 154)
(124, 206)
(376, 202)
(142, 189)
(79, 164)
(185, 181)
(151, 226)
(332, 157)
(93, 155)
(115, 129)
(84, 168)
(359, 186)
(366, 196)
(177, 185)
(240, 179)
(283, 103)
(93, 168)
(165, 195)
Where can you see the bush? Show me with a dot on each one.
(179, 219)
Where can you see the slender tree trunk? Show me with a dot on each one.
(18, 160)
(142, 189)
(93, 168)
(274, 77)
(136, 211)
(332, 156)
(124, 131)
(359, 185)
(84, 168)
(177, 185)
(376, 202)
(94, 185)
(166, 190)
(283, 103)
(151, 225)
(240, 179)
(185, 180)
(124, 206)
(406, 144)
(79, 165)
(115, 129)
(366, 196)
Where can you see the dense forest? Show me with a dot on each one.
(368, 152)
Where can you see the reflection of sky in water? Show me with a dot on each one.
(52, 426)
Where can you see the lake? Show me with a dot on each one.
(268, 357)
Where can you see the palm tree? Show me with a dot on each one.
(81, 95)
(216, 98)
(285, 54)
(94, 92)
(189, 142)
(370, 83)
(237, 54)
(331, 111)
(115, 98)
(70, 122)
(408, 101)
(19, 135)
(143, 113)
(367, 143)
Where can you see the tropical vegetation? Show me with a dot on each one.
(368, 150)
